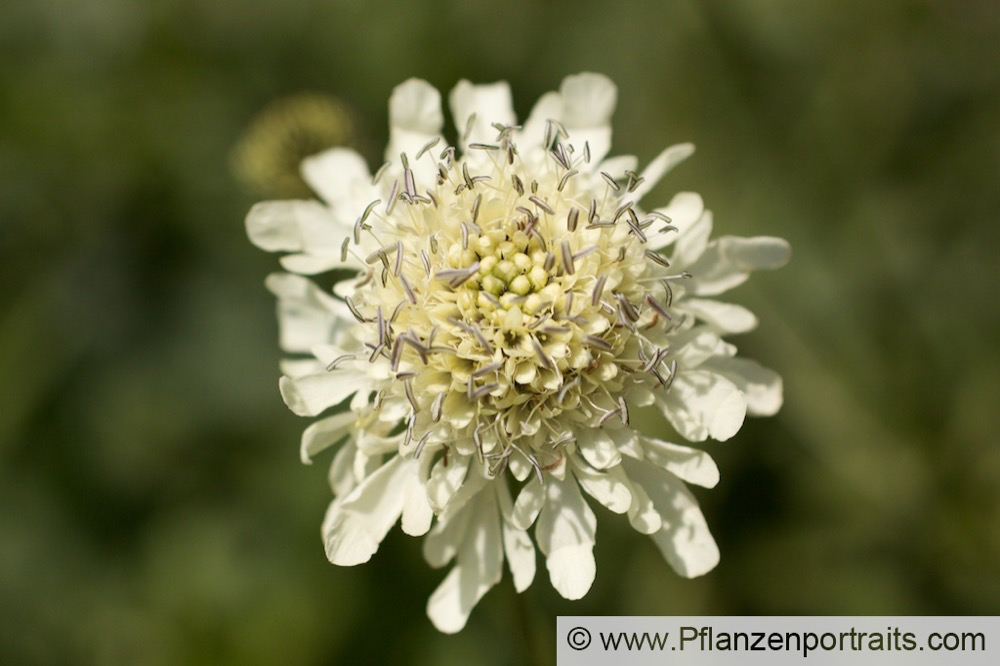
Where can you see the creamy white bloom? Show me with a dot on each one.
(512, 304)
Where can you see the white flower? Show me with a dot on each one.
(513, 304)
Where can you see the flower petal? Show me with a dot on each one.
(529, 503)
(725, 317)
(684, 210)
(692, 242)
(445, 480)
(341, 178)
(684, 539)
(607, 488)
(312, 394)
(490, 103)
(660, 166)
(762, 386)
(415, 119)
(306, 316)
(355, 527)
(702, 404)
(417, 512)
(325, 433)
(691, 465)
(729, 260)
(588, 103)
(479, 567)
(565, 532)
(517, 545)
(598, 448)
(298, 226)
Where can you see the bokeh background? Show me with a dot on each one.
(153, 509)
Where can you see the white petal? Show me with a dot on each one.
(684, 539)
(325, 433)
(479, 567)
(725, 317)
(565, 532)
(355, 527)
(415, 118)
(588, 103)
(728, 261)
(691, 465)
(274, 225)
(598, 448)
(642, 515)
(517, 545)
(445, 480)
(341, 178)
(762, 386)
(703, 404)
(697, 345)
(341, 475)
(684, 210)
(417, 512)
(310, 395)
(306, 316)
(443, 541)
(490, 103)
(529, 503)
(415, 106)
(692, 242)
(607, 488)
(548, 106)
(660, 166)
(312, 264)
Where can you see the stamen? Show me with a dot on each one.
(369, 209)
(608, 416)
(540, 353)
(518, 184)
(566, 387)
(627, 307)
(426, 261)
(658, 258)
(427, 146)
(584, 252)
(378, 174)
(610, 181)
(391, 203)
(567, 258)
(340, 359)
(538, 201)
(408, 387)
(565, 179)
(399, 259)
(483, 390)
(420, 444)
(436, 407)
(380, 324)
(343, 249)
(571, 219)
(595, 295)
(655, 304)
(623, 410)
(492, 367)
(354, 310)
(408, 289)
(600, 343)
(475, 207)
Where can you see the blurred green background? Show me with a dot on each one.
(153, 509)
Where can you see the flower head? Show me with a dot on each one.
(513, 304)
